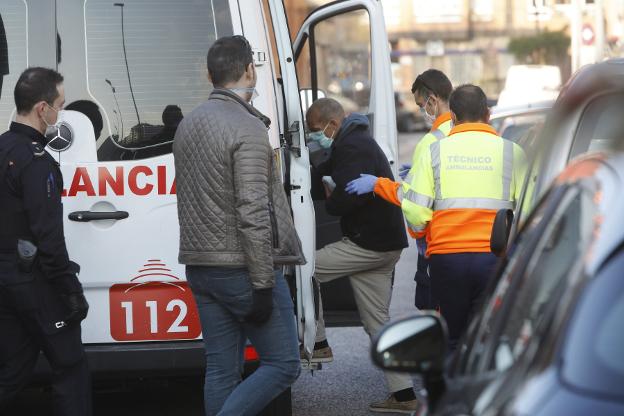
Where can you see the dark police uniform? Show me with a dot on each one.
(34, 311)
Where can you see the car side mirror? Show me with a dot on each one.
(415, 344)
(500, 232)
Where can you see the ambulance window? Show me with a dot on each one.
(13, 53)
(341, 59)
(146, 64)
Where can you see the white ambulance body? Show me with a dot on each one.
(142, 65)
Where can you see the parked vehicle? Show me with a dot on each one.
(549, 339)
(408, 116)
(120, 195)
(513, 122)
(530, 83)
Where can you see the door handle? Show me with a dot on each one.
(86, 216)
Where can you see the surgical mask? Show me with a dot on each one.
(429, 118)
(248, 90)
(320, 137)
(51, 128)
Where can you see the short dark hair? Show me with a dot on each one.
(34, 85)
(326, 109)
(469, 103)
(228, 58)
(433, 81)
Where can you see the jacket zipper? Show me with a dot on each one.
(274, 230)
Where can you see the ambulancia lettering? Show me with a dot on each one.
(120, 180)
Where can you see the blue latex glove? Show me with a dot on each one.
(362, 185)
(404, 170)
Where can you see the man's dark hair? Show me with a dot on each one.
(433, 82)
(34, 85)
(228, 58)
(469, 103)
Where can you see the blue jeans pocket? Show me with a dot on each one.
(228, 287)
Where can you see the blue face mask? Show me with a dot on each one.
(320, 137)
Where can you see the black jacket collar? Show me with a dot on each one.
(29, 132)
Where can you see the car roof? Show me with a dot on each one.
(527, 108)
(602, 174)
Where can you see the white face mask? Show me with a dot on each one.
(249, 90)
(51, 128)
(429, 118)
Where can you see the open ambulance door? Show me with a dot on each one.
(342, 52)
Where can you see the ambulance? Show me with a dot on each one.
(132, 71)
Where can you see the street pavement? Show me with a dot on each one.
(344, 387)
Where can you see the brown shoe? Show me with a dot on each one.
(320, 355)
(391, 405)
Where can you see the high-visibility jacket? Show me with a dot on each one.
(460, 184)
(393, 191)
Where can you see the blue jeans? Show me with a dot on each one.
(224, 297)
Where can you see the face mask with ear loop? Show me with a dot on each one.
(249, 90)
(51, 128)
(320, 137)
(429, 118)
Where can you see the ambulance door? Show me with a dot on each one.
(132, 72)
(342, 52)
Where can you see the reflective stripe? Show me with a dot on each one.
(400, 193)
(507, 168)
(415, 229)
(438, 134)
(472, 203)
(409, 178)
(419, 199)
(435, 164)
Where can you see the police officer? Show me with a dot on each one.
(41, 299)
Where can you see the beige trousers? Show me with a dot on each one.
(370, 273)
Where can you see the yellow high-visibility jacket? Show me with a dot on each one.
(393, 191)
(460, 184)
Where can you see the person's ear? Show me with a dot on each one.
(487, 116)
(454, 118)
(209, 78)
(250, 71)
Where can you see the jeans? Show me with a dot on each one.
(224, 297)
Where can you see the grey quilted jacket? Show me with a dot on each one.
(232, 207)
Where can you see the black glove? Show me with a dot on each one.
(262, 306)
(77, 305)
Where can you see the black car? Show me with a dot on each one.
(550, 339)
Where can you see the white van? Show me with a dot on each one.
(132, 71)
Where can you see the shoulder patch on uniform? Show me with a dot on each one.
(37, 149)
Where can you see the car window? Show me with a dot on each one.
(146, 68)
(519, 251)
(596, 335)
(601, 125)
(547, 249)
(558, 254)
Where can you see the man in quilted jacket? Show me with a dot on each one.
(236, 232)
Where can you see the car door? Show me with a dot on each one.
(132, 71)
(342, 52)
